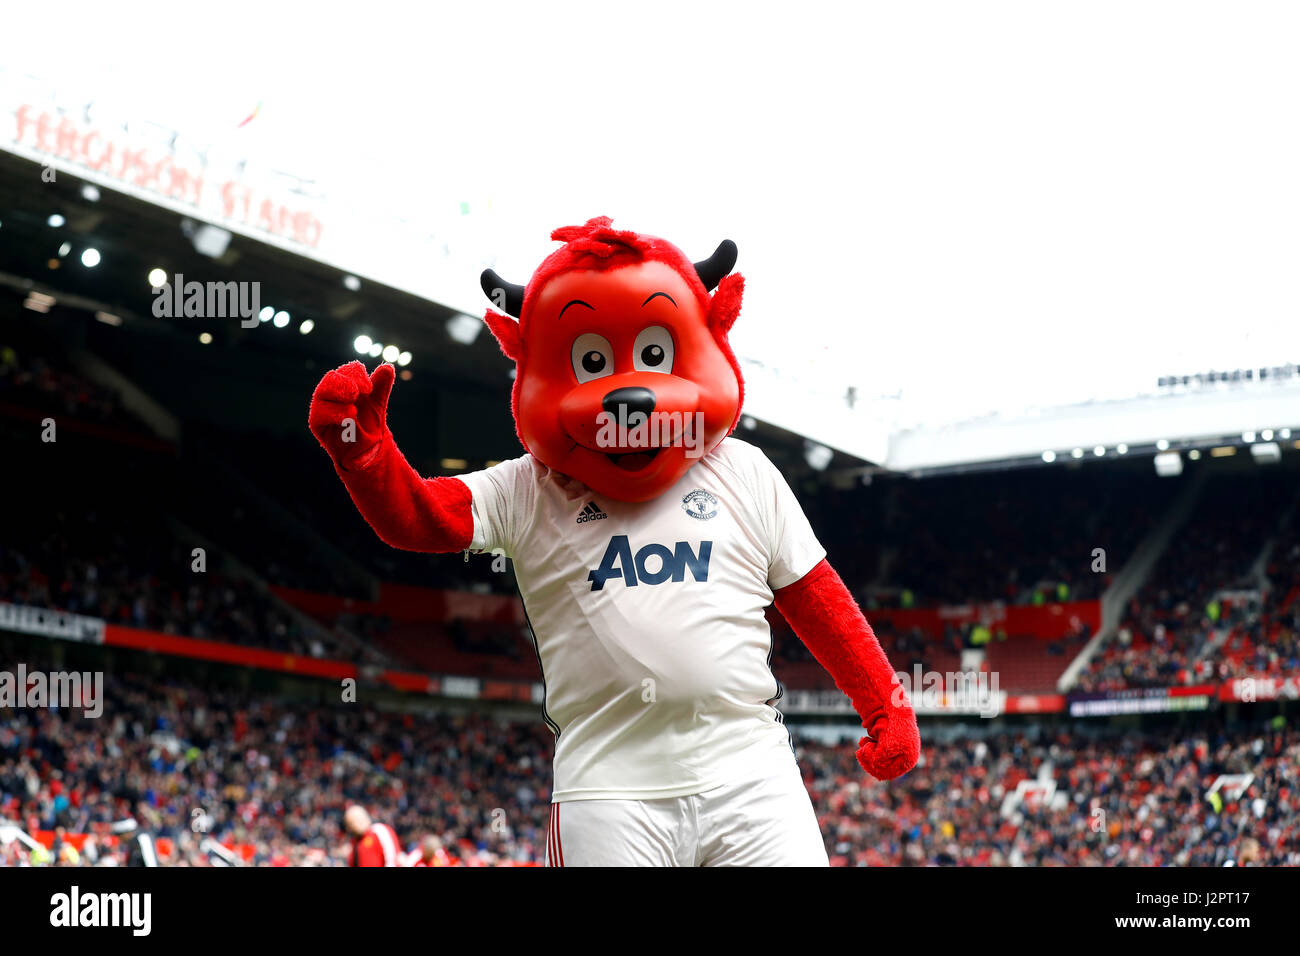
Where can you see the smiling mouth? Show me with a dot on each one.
(634, 461)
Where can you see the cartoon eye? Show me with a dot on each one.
(592, 357)
(653, 351)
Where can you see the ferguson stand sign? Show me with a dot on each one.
(155, 162)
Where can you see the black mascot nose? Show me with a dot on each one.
(633, 399)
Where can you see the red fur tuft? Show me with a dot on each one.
(597, 237)
(597, 246)
(506, 331)
(508, 335)
(724, 309)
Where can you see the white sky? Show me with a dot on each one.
(979, 205)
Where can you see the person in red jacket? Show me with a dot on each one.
(646, 544)
(432, 853)
(373, 844)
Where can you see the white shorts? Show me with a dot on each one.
(767, 821)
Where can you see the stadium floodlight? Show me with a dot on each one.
(157, 278)
(90, 193)
(267, 314)
(38, 302)
(404, 359)
(1266, 453)
(391, 353)
(1284, 433)
(55, 220)
(211, 241)
(1248, 437)
(1169, 464)
(1163, 444)
(362, 344)
(1076, 453)
(817, 456)
(281, 319)
(1049, 456)
(1266, 434)
(464, 328)
(307, 326)
(90, 258)
(1099, 451)
(1122, 448)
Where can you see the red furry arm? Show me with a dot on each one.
(349, 418)
(407, 511)
(827, 619)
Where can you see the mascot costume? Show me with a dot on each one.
(646, 544)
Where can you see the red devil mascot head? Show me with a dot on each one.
(624, 375)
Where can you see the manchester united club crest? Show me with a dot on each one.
(700, 504)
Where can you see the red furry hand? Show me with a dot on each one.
(348, 416)
(894, 744)
(349, 412)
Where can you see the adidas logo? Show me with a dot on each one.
(591, 513)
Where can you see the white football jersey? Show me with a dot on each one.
(648, 617)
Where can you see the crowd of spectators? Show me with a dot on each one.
(1022, 537)
(1268, 643)
(113, 557)
(242, 505)
(32, 380)
(120, 559)
(275, 776)
(1014, 536)
(1204, 615)
(1150, 788)
(215, 606)
(295, 475)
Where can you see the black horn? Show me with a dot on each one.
(507, 296)
(712, 269)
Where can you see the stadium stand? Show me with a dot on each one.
(1018, 537)
(271, 778)
(1206, 594)
(36, 382)
(272, 769)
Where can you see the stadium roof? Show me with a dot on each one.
(947, 275)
